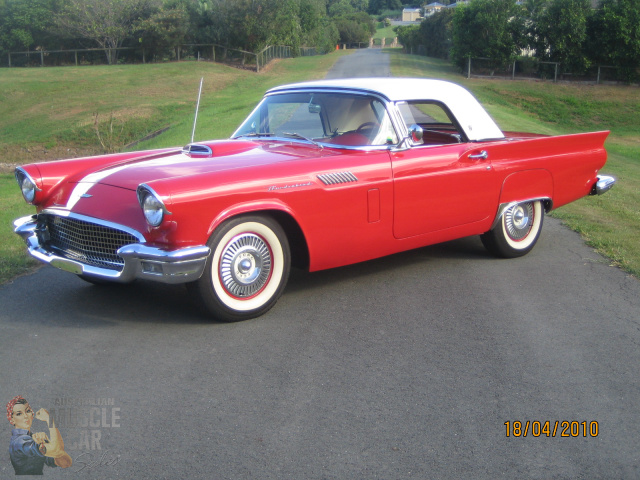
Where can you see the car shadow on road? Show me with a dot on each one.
(464, 249)
(71, 302)
(63, 300)
(140, 302)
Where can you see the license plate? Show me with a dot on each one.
(67, 265)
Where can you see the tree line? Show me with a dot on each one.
(570, 32)
(158, 26)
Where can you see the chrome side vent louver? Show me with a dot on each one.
(197, 150)
(338, 177)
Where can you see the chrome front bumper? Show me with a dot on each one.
(140, 260)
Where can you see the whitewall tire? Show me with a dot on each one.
(517, 231)
(247, 270)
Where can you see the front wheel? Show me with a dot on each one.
(517, 232)
(247, 270)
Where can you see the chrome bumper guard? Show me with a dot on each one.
(140, 260)
(603, 185)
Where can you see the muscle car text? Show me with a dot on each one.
(91, 416)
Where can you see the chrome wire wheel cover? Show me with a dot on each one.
(245, 265)
(518, 220)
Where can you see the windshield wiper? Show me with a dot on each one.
(255, 134)
(302, 137)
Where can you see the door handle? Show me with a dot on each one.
(483, 155)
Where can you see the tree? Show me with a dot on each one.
(341, 8)
(487, 28)
(106, 23)
(409, 37)
(253, 24)
(208, 21)
(327, 36)
(377, 6)
(614, 36)
(26, 25)
(563, 31)
(289, 29)
(162, 31)
(435, 34)
(337, 8)
(317, 29)
(351, 31)
(534, 11)
(355, 28)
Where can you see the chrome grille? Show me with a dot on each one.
(87, 242)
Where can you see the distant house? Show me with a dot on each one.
(433, 8)
(411, 14)
(459, 2)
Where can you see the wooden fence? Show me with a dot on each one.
(127, 55)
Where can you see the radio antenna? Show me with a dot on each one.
(195, 118)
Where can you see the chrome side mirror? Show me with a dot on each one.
(416, 133)
(415, 136)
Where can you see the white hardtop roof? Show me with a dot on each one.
(472, 117)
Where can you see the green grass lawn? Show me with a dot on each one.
(385, 32)
(13, 258)
(48, 113)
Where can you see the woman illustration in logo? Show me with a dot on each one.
(29, 452)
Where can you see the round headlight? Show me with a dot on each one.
(28, 190)
(152, 205)
(153, 210)
(27, 186)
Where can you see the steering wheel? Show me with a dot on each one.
(367, 126)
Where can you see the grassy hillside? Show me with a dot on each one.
(384, 32)
(56, 112)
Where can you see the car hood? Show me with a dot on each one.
(210, 157)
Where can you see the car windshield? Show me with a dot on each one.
(326, 118)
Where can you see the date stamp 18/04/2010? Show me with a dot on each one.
(554, 428)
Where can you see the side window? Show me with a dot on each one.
(438, 125)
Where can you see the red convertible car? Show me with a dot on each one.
(321, 174)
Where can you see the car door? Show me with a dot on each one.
(441, 182)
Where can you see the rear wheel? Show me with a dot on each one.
(517, 232)
(247, 270)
